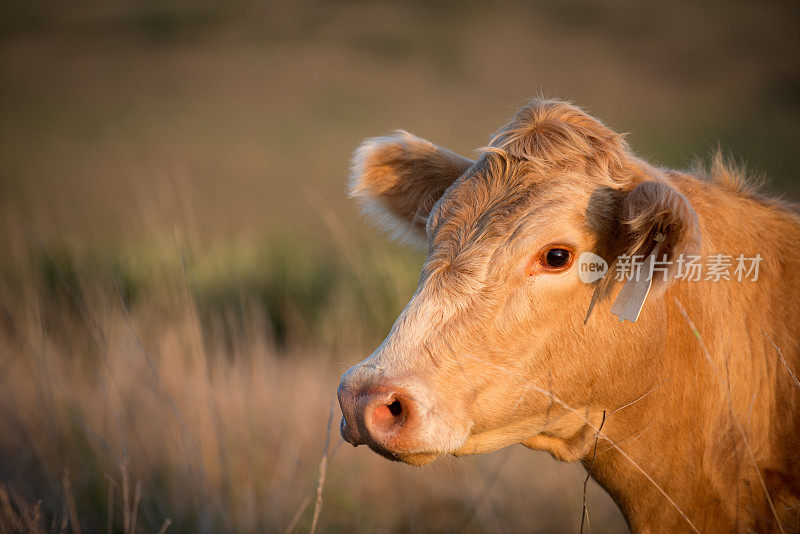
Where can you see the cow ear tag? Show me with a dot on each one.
(628, 304)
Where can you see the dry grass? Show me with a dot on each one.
(139, 403)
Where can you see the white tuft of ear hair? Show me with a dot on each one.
(396, 228)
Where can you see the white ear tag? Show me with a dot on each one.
(628, 304)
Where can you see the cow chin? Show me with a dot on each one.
(419, 459)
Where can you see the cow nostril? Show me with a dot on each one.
(387, 418)
(395, 408)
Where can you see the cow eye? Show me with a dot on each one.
(556, 258)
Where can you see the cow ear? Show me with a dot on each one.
(398, 178)
(653, 212)
(655, 223)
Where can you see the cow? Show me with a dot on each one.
(687, 412)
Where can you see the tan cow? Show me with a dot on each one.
(694, 407)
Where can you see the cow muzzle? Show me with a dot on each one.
(382, 416)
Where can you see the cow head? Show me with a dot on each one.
(493, 349)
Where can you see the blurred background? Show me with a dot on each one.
(182, 278)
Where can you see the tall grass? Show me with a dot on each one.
(162, 386)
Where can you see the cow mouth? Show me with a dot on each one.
(417, 459)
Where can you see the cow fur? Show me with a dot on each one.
(689, 417)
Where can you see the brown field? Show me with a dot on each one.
(182, 390)
(182, 279)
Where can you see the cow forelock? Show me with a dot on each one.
(478, 214)
(556, 136)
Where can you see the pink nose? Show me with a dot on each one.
(382, 417)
